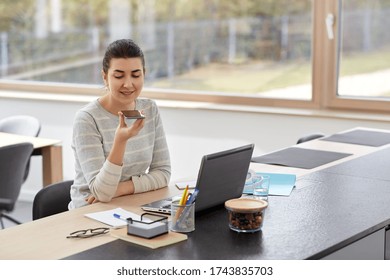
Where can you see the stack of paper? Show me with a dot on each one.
(107, 217)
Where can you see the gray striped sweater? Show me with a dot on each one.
(146, 160)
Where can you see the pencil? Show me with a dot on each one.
(182, 202)
(184, 196)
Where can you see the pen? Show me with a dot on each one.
(188, 197)
(119, 217)
(192, 197)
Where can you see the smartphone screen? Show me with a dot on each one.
(133, 114)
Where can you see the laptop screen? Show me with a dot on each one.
(222, 176)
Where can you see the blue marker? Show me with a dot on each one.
(192, 197)
(119, 217)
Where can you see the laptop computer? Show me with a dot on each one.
(221, 177)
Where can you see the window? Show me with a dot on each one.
(256, 52)
(365, 49)
(363, 56)
(224, 48)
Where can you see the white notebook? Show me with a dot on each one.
(107, 217)
(182, 185)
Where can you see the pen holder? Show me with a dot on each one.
(182, 217)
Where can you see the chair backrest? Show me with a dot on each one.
(21, 124)
(51, 200)
(310, 137)
(13, 162)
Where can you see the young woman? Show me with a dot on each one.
(116, 156)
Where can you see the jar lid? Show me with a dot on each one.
(245, 205)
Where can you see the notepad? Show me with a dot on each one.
(280, 184)
(107, 217)
(182, 185)
(361, 137)
(300, 157)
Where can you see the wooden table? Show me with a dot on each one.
(49, 149)
(46, 238)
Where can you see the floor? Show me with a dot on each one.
(22, 212)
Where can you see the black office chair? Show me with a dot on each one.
(51, 200)
(310, 137)
(13, 162)
(22, 125)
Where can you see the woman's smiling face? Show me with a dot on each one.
(124, 79)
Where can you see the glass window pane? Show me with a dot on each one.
(242, 47)
(364, 66)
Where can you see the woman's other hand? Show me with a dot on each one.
(91, 199)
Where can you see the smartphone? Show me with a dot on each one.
(133, 114)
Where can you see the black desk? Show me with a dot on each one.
(343, 204)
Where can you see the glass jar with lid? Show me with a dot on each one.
(245, 215)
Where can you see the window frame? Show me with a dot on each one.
(333, 50)
(325, 54)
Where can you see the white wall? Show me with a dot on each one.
(191, 133)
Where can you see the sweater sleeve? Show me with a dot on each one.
(160, 168)
(101, 176)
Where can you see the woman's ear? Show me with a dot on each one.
(104, 76)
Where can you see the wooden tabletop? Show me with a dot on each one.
(38, 142)
(46, 238)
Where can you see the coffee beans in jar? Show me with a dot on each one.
(245, 215)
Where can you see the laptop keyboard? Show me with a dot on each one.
(167, 206)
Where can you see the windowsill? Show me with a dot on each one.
(303, 112)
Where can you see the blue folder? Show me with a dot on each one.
(280, 184)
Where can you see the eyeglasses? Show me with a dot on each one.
(85, 233)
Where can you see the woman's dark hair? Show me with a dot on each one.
(123, 48)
